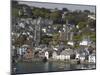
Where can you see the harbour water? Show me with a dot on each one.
(40, 67)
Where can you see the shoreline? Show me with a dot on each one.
(73, 61)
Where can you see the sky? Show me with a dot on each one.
(71, 7)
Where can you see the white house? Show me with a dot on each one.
(70, 43)
(64, 55)
(22, 25)
(47, 54)
(92, 17)
(82, 58)
(22, 49)
(92, 58)
(54, 55)
(57, 57)
(55, 48)
(77, 55)
(44, 30)
(12, 52)
(84, 42)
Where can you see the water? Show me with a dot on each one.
(39, 67)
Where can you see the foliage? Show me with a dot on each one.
(41, 12)
(77, 37)
(76, 16)
(93, 37)
(46, 39)
(55, 15)
(55, 39)
(82, 25)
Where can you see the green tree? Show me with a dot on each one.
(82, 25)
(55, 39)
(65, 9)
(55, 15)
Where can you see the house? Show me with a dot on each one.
(64, 55)
(82, 58)
(82, 54)
(12, 50)
(71, 43)
(47, 54)
(77, 56)
(42, 52)
(92, 58)
(44, 30)
(93, 17)
(54, 55)
(22, 49)
(22, 25)
(28, 54)
(85, 42)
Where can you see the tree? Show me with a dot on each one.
(77, 37)
(87, 11)
(76, 16)
(55, 39)
(65, 9)
(46, 39)
(55, 15)
(41, 12)
(82, 25)
(93, 37)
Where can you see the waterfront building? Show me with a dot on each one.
(82, 58)
(47, 54)
(64, 55)
(77, 56)
(92, 58)
(28, 54)
(22, 49)
(54, 55)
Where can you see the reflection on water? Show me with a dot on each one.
(36, 67)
